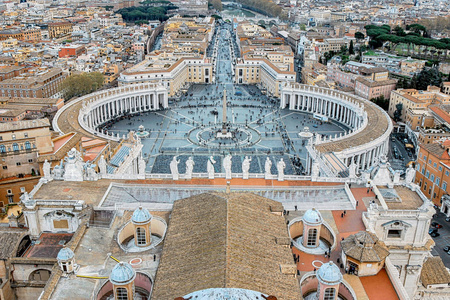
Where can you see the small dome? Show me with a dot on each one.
(329, 274)
(312, 217)
(65, 254)
(122, 273)
(141, 215)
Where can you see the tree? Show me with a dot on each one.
(398, 112)
(81, 84)
(427, 77)
(350, 48)
(359, 35)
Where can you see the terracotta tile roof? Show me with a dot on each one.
(225, 241)
(9, 240)
(434, 272)
(436, 149)
(441, 113)
(364, 246)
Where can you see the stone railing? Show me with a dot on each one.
(394, 276)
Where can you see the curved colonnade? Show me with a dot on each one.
(101, 107)
(370, 126)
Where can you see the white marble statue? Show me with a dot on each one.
(227, 166)
(58, 171)
(73, 169)
(281, 165)
(410, 175)
(246, 167)
(267, 168)
(47, 171)
(210, 167)
(315, 169)
(189, 167)
(89, 172)
(141, 165)
(174, 168)
(352, 170)
(102, 165)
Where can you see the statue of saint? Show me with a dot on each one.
(46, 169)
(174, 168)
(227, 166)
(210, 167)
(281, 165)
(267, 168)
(189, 167)
(352, 170)
(102, 165)
(246, 167)
(410, 175)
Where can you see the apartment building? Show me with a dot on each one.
(170, 71)
(28, 35)
(71, 51)
(59, 29)
(433, 169)
(7, 72)
(414, 99)
(263, 71)
(19, 145)
(42, 85)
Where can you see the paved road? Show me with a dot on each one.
(442, 240)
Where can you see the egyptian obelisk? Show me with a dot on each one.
(224, 112)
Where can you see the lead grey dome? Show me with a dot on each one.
(65, 254)
(312, 217)
(141, 216)
(329, 274)
(122, 273)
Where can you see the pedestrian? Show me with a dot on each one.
(368, 191)
(342, 215)
(314, 270)
(345, 212)
(154, 257)
(295, 207)
(357, 202)
(326, 254)
(287, 213)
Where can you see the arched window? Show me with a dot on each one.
(15, 147)
(122, 293)
(39, 275)
(27, 145)
(312, 237)
(329, 294)
(2, 149)
(140, 233)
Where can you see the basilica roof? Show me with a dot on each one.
(225, 241)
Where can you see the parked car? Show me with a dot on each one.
(447, 219)
(435, 234)
(447, 248)
(436, 225)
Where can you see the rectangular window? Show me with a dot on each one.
(444, 186)
(440, 168)
(427, 174)
(438, 180)
(435, 165)
(394, 233)
(432, 177)
(10, 199)
(22, 189)
(447, 173)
